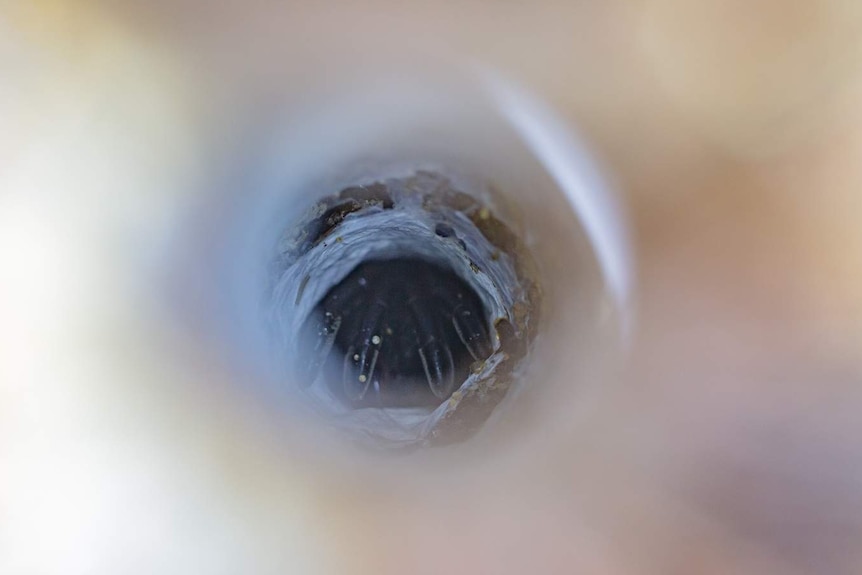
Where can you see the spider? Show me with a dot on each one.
(407, 332)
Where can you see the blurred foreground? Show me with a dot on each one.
(732, 444)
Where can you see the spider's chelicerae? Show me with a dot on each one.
(408, 331)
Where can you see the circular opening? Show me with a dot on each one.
(402, 307)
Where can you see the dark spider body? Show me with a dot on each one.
(405, 333)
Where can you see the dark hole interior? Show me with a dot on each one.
(400, 333)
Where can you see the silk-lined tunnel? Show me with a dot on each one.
(399, 276)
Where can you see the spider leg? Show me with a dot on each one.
(472, 331)
(317, 343)
(434, 353)
(355, 387)
(370, 339)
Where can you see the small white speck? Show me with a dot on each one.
(355, 357)
(362, 378)
(375, 340)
